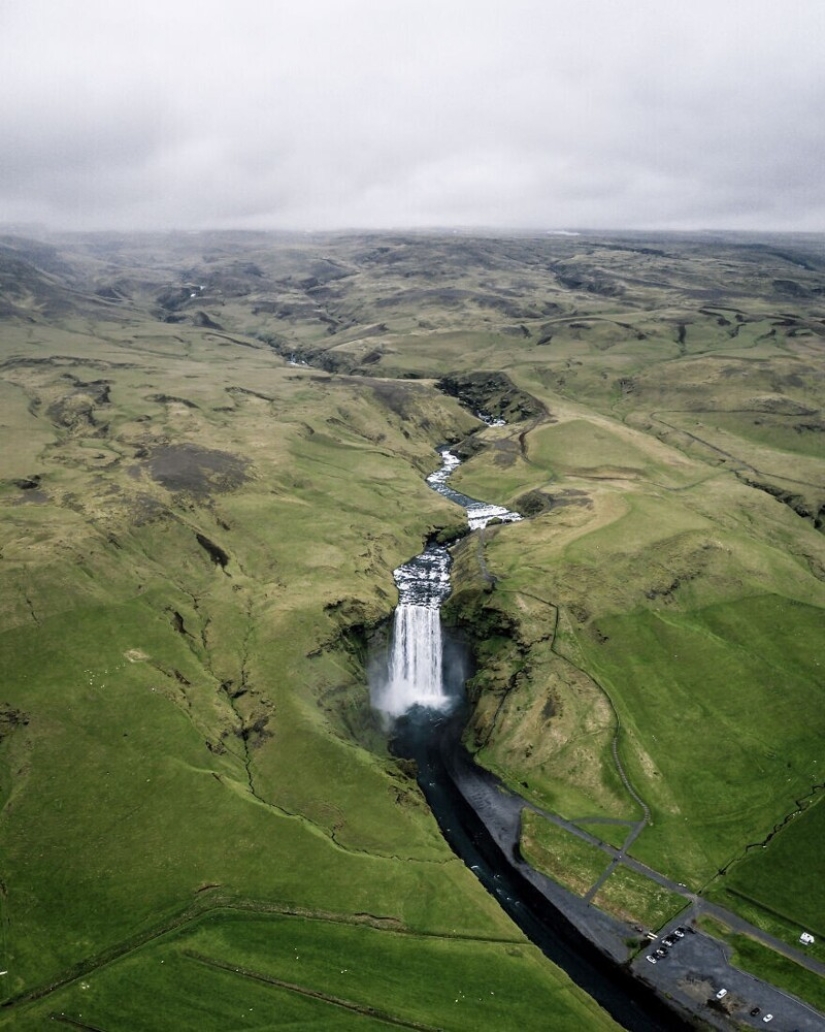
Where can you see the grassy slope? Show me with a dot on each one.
(573, 862)
(686, 607)
(670, 397)
(235, 969)
(693, 600)
(770, 876)
(173, 731)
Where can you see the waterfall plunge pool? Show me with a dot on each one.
(420, 697)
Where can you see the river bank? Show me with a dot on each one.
(481, 822)
(691, 984)
(593, 947)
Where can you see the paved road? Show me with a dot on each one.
(732, 920)
(696, 967)
(739, 924)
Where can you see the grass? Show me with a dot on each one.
(553, 735)
(239, 969)
(729, 701)
(169, 724)
(115, 751)
(699, 595)
(631, 897)
(781, 877)
(563, 856)
(613, 834)
(579, 445)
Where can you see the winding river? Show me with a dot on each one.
(422, 699)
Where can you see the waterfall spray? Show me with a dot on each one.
(415, 676)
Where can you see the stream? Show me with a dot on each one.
(422, 700)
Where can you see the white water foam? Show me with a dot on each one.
(415, 676)
(449, 462)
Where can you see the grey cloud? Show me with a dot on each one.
(368, 112)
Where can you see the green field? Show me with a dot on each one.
(251, 968)
(568, 859)
(726, 700)
(632, 897)
(212, 457)
(770, 876)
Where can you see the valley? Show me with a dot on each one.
(214, 454)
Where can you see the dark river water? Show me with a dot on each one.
(433, 740)
(422, 697)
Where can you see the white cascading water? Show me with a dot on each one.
(415, 675)
(415, 664)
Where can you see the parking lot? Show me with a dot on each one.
(693, 969)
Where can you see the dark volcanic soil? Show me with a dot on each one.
(200, 471)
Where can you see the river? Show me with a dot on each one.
(422, 700)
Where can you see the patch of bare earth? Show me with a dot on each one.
(198, 471)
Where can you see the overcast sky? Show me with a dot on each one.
(311, 114)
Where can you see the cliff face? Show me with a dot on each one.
(494, 637)
(537, 716)
(492, 394)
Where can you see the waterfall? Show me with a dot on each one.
(415, 675)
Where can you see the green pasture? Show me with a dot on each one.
(720, 718)
(715, 681)
(568, 859)
(579, 446)
(139, 786)
(796, 435)
(788, 449)
(784, 876)
(190, 586)
(612, 833)
(631, 897)
(242, 969)
(125, 805)
(24, 436)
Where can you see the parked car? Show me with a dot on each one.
(651, 958)
(721, 994)
(767, 1018)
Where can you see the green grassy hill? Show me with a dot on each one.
(197, 542)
